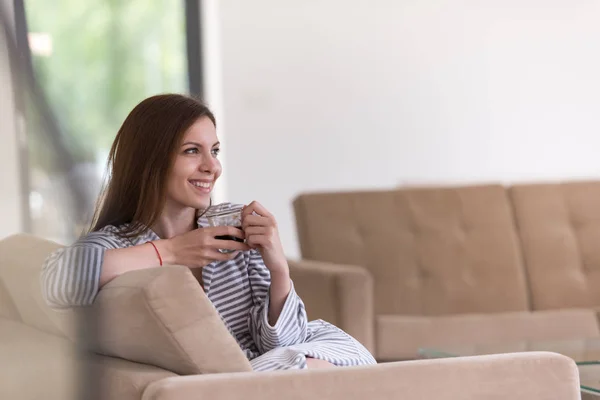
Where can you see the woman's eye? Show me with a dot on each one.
(215, 152)
(191, 150)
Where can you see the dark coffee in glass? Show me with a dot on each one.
(230, 237)
(225, 214)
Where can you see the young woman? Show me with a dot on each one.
(163, 166)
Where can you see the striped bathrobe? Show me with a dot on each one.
(239, 290)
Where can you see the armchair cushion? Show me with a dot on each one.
(162, 317)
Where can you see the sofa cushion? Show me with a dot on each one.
(559, 227)
(162, 317)
(114, 378)
(7, 305)
(400, 337)
(37, 365)
(21, 260)
(34, 364)
(430, 251)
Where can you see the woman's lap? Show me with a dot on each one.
(324, 342)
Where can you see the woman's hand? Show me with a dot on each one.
(198, 248)
(262, 234)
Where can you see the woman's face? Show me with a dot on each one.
(196, 167)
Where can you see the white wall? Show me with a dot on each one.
(341, 94)
(10, 193)
(213, 87)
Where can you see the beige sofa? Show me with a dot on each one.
(461, 265)
(153, 335)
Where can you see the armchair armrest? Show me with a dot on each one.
(340, 294)
(519, 376)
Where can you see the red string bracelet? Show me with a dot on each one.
(157, 253)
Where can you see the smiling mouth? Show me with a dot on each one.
(204, 187)
(199, 184)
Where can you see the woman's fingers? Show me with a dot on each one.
(228, 244)
(259, 226)
(257, 230)
(256, 207)
(255, 220)
(215, 255)
(257, 241)
(247, 210)
(207, 256)
(224, 237)
(208, 241)
(200, 247)
(260, 209)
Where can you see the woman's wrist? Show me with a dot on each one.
(165, 249)
(280, 273)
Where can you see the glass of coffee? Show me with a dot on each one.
(225, 214)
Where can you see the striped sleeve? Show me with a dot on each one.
(71, 275)
(291, 326)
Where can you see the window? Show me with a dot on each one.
(94, 60)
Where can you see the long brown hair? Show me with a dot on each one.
(140, 160)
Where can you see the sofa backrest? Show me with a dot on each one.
(559, 228)
(21, 259)
(431, 251)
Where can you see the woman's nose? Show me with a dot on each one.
(208, 164)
